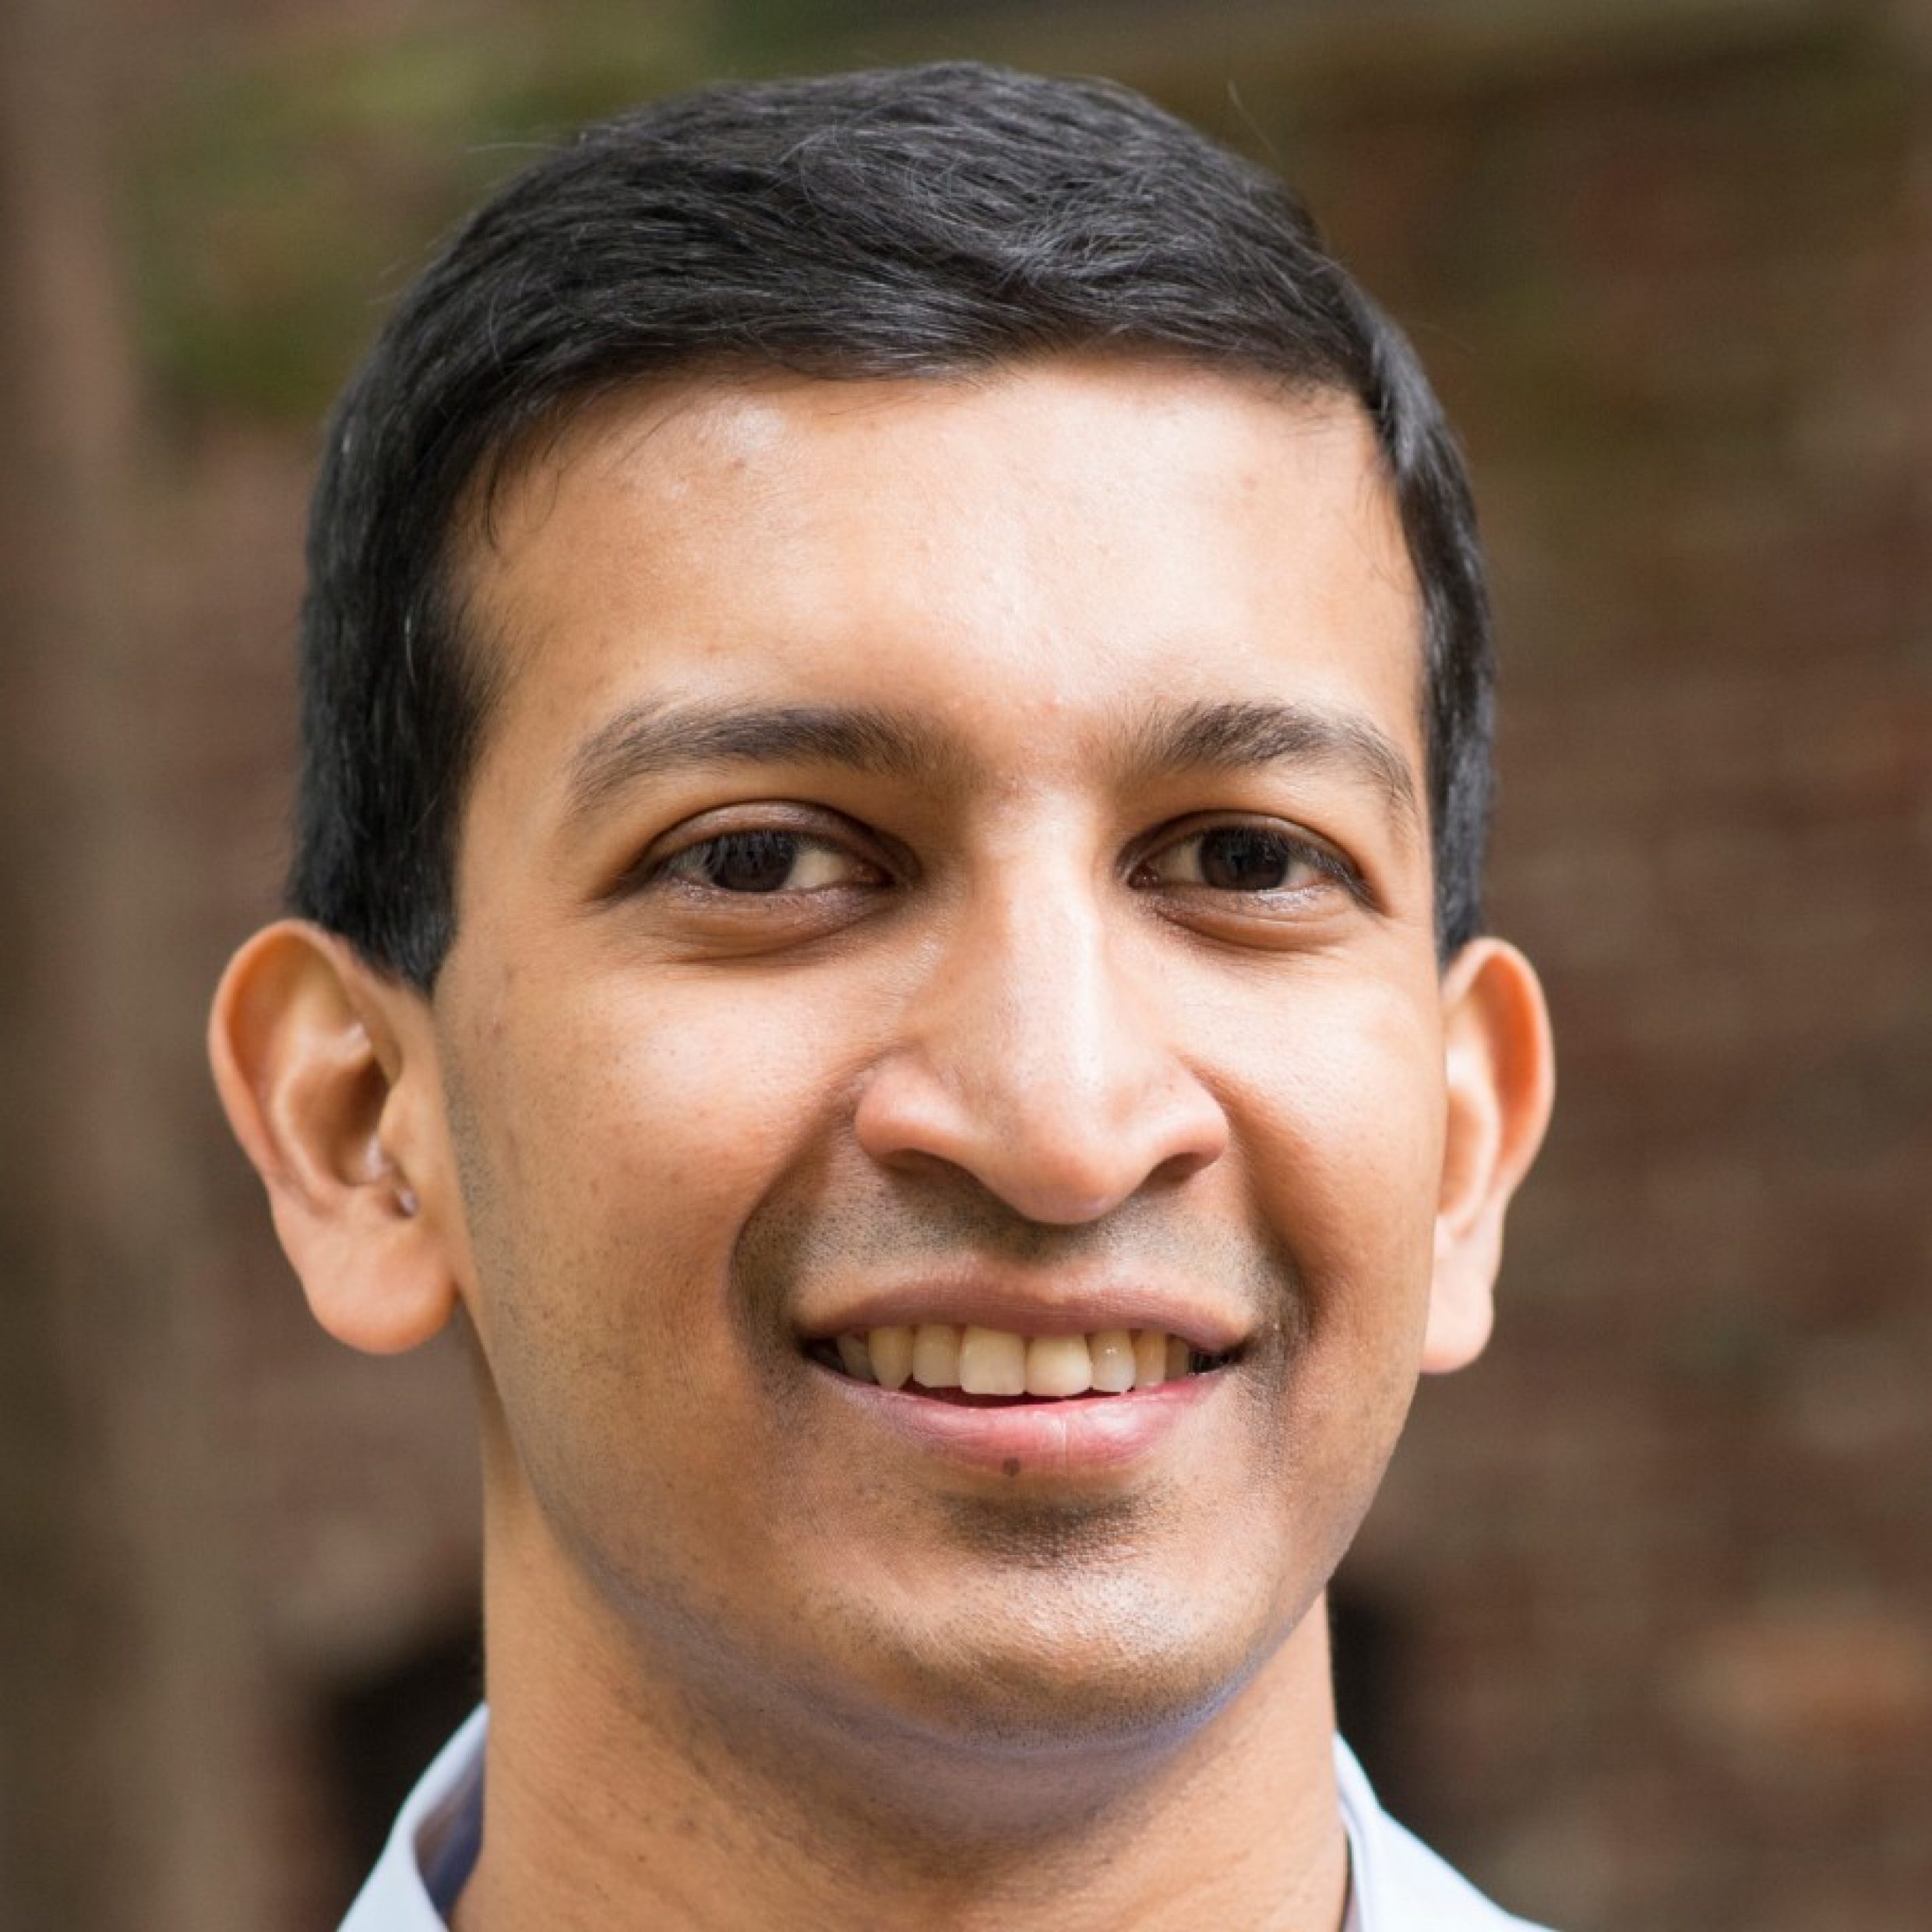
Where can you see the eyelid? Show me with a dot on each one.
(1333, 865)
(802, 844)
(811, 825)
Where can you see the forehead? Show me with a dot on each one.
(1057, 545)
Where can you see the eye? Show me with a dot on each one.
(768, 860)
(1245, 858)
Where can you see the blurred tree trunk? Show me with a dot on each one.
(1915, 320)
(116, 1704)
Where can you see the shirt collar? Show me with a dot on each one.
(430, 1852)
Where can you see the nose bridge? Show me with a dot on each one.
(1037, 1060)
(1045, 1033)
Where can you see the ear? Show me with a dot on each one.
(327, 1070)
(1501, 1079)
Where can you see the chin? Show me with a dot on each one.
(1079, 1658)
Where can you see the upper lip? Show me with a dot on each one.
(1031, 1306)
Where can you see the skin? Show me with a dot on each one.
(753, 1658)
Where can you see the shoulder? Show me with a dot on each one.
(1399, 1884)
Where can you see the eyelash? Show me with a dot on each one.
(1289, 848)
(677, 869)
(749, 839)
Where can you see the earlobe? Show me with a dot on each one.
(1500, 1069)
(326, 1068)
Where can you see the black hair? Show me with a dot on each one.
(923, 222)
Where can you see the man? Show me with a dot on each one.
(896, 703)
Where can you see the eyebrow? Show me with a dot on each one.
(650, 740)
(1235, 737)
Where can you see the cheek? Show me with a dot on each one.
(1345, 1142)
(1344, 1136)
(603, 1211)
(628, 1182)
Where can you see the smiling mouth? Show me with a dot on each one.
(977, 1366)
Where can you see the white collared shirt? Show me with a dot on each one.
(1396, 1884)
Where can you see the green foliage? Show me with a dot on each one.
(281, 201)
(290, 191)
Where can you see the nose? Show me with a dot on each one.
(1035, 1059)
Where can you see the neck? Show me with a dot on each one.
(613, 1798)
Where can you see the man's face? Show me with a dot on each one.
(948, 854)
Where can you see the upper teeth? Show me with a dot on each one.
(996, 1362)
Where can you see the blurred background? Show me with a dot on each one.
(1641, 1633)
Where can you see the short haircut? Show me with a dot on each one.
(915, 222)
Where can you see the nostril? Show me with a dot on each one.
(1185, 1165)
(1063, 1137)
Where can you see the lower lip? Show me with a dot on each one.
(1075, 1436)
